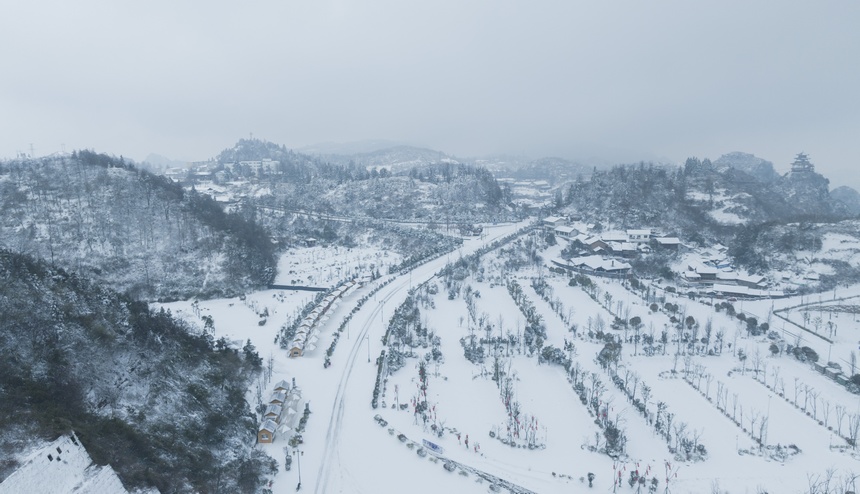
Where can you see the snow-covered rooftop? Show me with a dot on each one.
(62, 466)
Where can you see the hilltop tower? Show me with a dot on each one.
(802, 164)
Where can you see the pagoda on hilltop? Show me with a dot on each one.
(802, 164)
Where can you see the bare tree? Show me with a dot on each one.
(754, 416)
(695, 436)
(720, 335)
(840, 416)
(849, 482)
(796, 389)
(694, 336)
(635, 378)
(775, 373)
(708, 379)
(646, 393)
(680, 434)
(817, 323)
(720, 387)
(815, 395)
(853, 429)
(735, 341)
(599, 324)
(709, 328)
(700, 373)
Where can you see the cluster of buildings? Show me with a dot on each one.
(595, 265)
(627, 243)
(281, 411)
(603, 254)
(200, 171)
(711, 273)
(308, 332)
(717, 278)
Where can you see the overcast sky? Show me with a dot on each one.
(618, 80)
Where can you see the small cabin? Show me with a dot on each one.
(273, 412)
(278, 398)
(266, 434)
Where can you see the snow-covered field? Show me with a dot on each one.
(325, 266)
(719, 400)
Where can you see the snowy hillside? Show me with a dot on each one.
(62, 467)
(138, 232)
(158, 400)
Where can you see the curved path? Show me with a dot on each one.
(370, 319)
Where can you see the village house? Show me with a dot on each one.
(595, 265)
(278, 398)
(742, 291)
(668, 243)
(596, 244)
(273, 412)
(638, 236)
(613, 237)
(565, 231)
(622, 249)
(706, 273)
(266, 434)
(551, 222)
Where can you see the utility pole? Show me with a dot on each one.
(299, 461)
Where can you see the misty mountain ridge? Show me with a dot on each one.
(703, 198)
(159, 162)
(396, 159)
(758, 168)
(426, 190)
(847, 196)
(353, 147)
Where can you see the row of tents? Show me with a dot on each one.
(308, 332)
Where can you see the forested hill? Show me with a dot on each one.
(701, 197)
(134, 231)
(166, 408)
(439, 192)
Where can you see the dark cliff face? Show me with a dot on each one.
(807, 193)
(757, 168)
(847, 198)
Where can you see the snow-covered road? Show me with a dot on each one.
(342, 461)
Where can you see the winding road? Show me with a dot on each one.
(370, 320)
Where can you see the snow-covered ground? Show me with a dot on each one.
(346, 450)
(325, 266)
